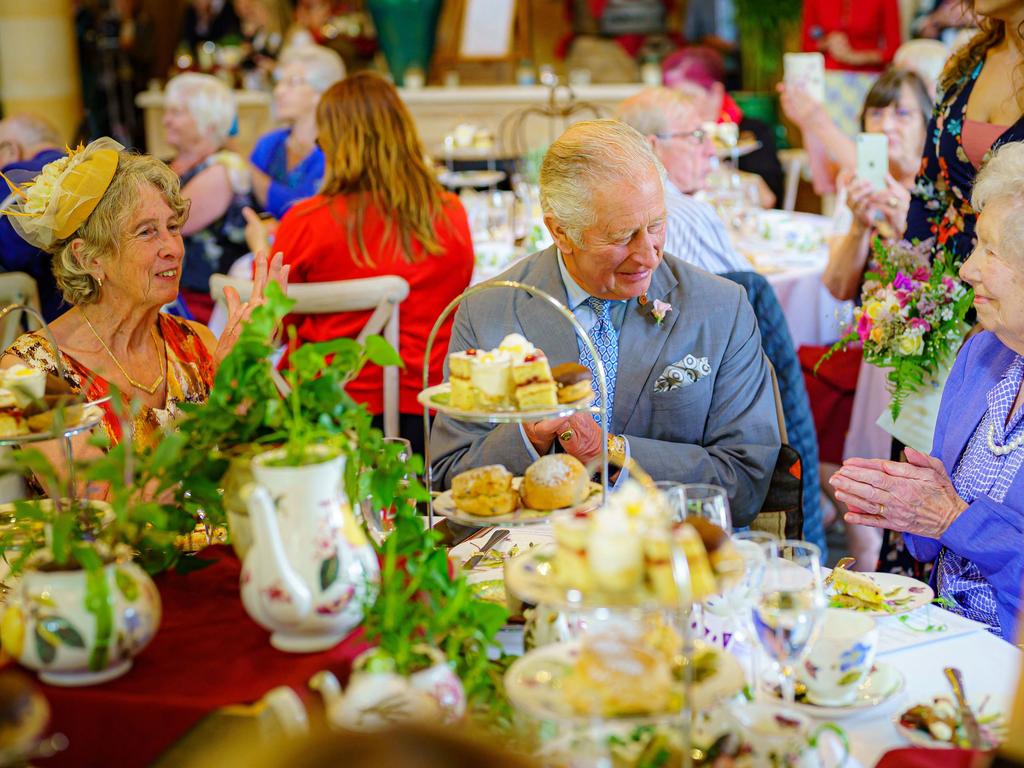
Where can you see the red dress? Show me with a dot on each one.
(868, 24)
(314, 241)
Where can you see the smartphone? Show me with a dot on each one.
(806, 70)
(873, 158)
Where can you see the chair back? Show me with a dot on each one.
(381, 294)
(17, 288)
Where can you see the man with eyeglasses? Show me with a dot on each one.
(670, 121)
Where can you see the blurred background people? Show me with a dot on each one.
(210, 21)
(198, 117)
(286, 164)
(27, 143)
(860, 36)
(380, 211)
(671, 123)
(701, 72)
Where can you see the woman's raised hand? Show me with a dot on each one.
(265, 271)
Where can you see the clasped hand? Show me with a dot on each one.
(579, 435)
(916, 497)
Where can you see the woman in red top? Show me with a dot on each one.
(857, 35)
(380, 211)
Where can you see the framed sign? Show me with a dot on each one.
(481, 40)
(487, 29)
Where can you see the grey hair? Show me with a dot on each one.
(210, 102)
(1002, 178)
(324, 67)
(590, 154)
(651, 111)
(31, 129)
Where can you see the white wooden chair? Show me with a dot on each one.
(17, 288)
(381, 294)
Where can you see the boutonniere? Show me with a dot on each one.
(659, 310)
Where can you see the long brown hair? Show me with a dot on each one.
(373, 155)
(991, 33)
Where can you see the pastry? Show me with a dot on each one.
(725, 560)
(702, 578)
(572, 534)
(485, 491)
(516, 346)
(25, 383)
(615, 551)
(70, 413)
(860, 587)
(573, 381)
(532, 377)
(12, 419)
(460, 365)
(536, 395)
(617, 676)
(555, 482)
(491, 377)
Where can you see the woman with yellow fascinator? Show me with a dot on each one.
(112, 221)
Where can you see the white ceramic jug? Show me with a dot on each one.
(310, 570)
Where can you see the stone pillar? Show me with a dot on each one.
(39, 62)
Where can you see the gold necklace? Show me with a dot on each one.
(138, 385)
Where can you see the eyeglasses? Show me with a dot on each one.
(696, 136)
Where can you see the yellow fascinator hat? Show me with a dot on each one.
(54, 204)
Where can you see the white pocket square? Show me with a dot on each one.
(682, 373)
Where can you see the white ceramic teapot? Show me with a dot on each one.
(310, 570)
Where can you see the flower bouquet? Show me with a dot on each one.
(911, 317)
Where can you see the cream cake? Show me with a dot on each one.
(491, 377)
(460, 366)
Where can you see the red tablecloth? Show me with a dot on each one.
(206, 654)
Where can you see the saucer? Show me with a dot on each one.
(881, 685)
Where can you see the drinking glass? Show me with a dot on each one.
(673, 498)
(380, 522)
(708, 502)
(789, 607)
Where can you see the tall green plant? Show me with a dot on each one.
(764, 26)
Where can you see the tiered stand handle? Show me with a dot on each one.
(67, 434)
(512, 416)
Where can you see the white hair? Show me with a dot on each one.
(651, 111)
(210, 102)
(323, 66)
(1002, 178)
(589, 155)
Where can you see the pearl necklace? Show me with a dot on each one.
(1002, 450)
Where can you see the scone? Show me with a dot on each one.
(573, 381)
(485, 491)
(617, 676)
(555, 482)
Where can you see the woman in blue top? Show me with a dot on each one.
(286, 164)
(963, 507)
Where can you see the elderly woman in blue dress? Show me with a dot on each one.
(963, 506)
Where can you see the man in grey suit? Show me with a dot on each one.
(691, 394)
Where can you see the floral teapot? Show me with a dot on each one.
(310, 569)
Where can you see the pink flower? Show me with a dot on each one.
(864, 326)
(948, 282)
(659, 310)
(922, 275)
(903, 297)
(919, 322)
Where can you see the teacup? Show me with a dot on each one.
(840, 658)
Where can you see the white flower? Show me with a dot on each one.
(659, 310)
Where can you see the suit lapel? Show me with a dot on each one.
(541, 323)
(640, 343)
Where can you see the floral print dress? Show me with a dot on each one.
(190, 372)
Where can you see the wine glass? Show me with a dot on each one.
(789, 607)
(380, 522)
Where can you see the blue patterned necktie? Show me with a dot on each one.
(606, 339)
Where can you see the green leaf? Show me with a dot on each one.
(379, 352)
(62, 628)
(45, 649)
(329, 571)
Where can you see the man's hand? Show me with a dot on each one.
(542, 434)
(581, 437)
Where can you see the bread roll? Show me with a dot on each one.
(555, 482)
(485, 491)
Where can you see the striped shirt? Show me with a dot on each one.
(695, 234)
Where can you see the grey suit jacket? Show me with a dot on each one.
(721, 429)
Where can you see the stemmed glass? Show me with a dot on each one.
(790, 605)
(708, 502)
(380, 522)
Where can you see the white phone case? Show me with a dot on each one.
(806, 70)
(873, 158)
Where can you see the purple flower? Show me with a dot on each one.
(926, 306)
(902, 283)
